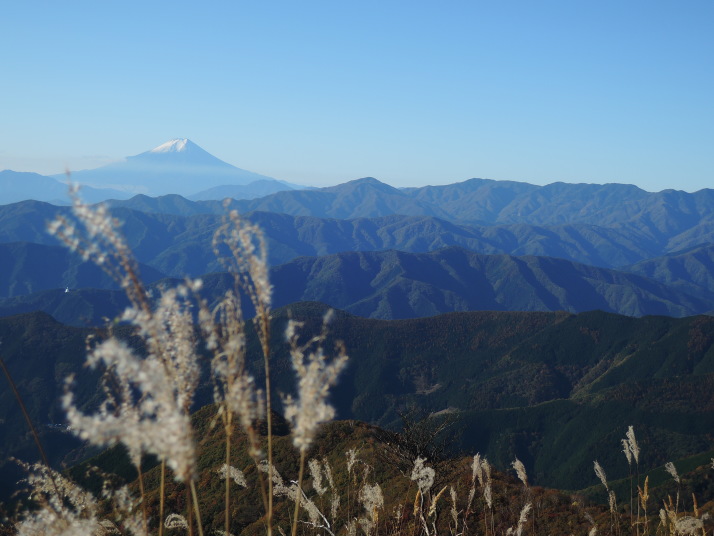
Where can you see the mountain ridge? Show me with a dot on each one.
(655, 215)
(553, 204)
(395, 285)
(188, 224)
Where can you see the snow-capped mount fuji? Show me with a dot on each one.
(178, 166)
(177, 145)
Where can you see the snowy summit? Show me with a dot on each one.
(173, 146)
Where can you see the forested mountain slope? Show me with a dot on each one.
(555, 389)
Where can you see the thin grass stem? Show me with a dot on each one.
(189, 517)
(195, 507)
(162, 497)
(228, 464)
(265, 339)
(142, 491)
(298, 494)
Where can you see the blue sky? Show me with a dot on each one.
(409, 92)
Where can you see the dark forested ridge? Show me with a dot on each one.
(558, 390)
(691, 270)
(395, 284)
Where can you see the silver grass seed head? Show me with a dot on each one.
(58, 489)
(486, 469)
(477, 470)
(600, 472)
(328, 317)
(672, 470)
(315, 377)
(488, 497)
(245, 401)
(316, 473)
(520, 471)
(137, 425)
(612, 501)
(422, 475)
(472, 494)
(370, 495)
(228, 471)
(265, 467)
(523, 518)
(68, 510)
(627, 451)
(328, 473)
(663, 516)
(632, 443)
(175, 521)
(454, 512)
(352, 458)
(46, 522)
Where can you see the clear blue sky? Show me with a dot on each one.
(410, 92)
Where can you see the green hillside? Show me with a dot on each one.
(556, 389)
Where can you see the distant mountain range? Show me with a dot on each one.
(386, 284)
(668, 220)
(177, 166)
(513, 245)
(486, 202)
(176, 245)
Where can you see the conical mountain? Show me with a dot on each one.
(178, 166)
(179, 152)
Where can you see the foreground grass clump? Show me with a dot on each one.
(352, 483)
(237, 466)
(149, 389)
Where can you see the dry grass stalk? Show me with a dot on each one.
(159, 386)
